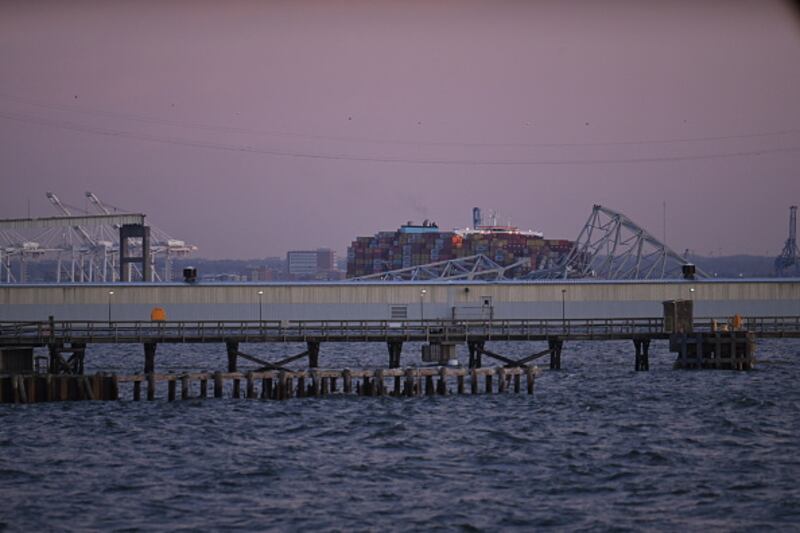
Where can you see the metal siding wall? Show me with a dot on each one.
(373, 301)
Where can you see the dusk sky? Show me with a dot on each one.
(253, 128)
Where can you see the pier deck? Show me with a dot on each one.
(104, 332)
(67, 341)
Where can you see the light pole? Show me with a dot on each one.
(563, 308)
(110, 294)
(260, 294)
(422, 294)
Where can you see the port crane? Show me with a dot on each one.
(788, 262)
(92, 256)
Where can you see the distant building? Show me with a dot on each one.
(261, 273)
(310, 264)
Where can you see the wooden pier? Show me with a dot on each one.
(270, 385)
(699, 343)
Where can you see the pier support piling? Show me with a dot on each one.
(149, 357)
(642, 357)
(151, 387)
(555, 346)
(475, 353)
(313, 354)
(233, 355)
(217, 384)
(395, 348)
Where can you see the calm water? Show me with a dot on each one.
(599, 446)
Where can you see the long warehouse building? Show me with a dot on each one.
(397, 300)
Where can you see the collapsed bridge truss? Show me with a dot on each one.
(474, 267)
(612, 246)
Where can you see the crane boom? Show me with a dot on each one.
(81, 230)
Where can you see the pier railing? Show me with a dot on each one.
(41, 333)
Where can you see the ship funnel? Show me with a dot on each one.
(477, 219)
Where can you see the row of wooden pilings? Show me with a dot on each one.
(270, 385)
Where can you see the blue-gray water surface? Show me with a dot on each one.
(599, 446)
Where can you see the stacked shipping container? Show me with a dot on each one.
(417, 245)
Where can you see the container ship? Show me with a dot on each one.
(420, 244)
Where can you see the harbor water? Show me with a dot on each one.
(599, 446)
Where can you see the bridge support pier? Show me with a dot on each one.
(475, 353)
(555, 346)
(73, 365)
(642, 358)
(149, 357)
(395, 348)
(233, 355)
(313, 354)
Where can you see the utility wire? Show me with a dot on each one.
(28, 119)
(247, 131)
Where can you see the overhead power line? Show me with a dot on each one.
(109, 132)
(249, 131)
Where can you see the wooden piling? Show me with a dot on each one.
(151, 387)
(251, 387)
(15, 388)
(288, 388)
(316, 386)
(30, 388)
(347, 381)
(218, 384)
(530, 376)
(429, 388)
(379, 384)
(50, 388)
(114, 387)
(281, 393)
(149, 357)
(409, 386)
(171, 386)
(185, 385)
(203, 387)
(442, 385)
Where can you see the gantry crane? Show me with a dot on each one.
(787, 263)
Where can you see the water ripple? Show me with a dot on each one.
(598, 447)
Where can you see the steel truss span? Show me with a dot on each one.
(474, 267)
(612, 246)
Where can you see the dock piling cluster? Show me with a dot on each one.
(270, 385)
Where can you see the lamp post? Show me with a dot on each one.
(260, 294)
(422, 294)
(110, 294)
(563, 309)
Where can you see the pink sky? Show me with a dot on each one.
(391, 111)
